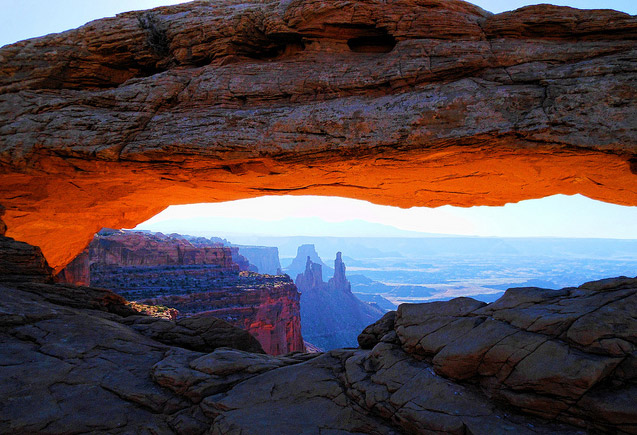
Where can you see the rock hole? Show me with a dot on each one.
(278, 46)
(382, 42)
(156, 36)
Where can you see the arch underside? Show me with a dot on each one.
(61, 213)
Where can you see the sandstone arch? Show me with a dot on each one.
(444, 103)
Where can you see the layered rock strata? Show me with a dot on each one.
(61, 344)
(111, 249)
(331, 316)
(567, 355)
(405, 103)
(267, 307)
(32, 265)
(193, 275)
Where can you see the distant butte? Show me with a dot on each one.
(407, 103)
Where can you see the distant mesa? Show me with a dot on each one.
(264, 258)
(298, 265)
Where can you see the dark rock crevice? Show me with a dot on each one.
(156, 36)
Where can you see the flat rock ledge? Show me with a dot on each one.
(535, 361)
(565, 355)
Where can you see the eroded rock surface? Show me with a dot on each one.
(196, 276)
(203, 333)
(403, 103)
(31, 265)
(535, 361)
(567, 355)
(70, 364)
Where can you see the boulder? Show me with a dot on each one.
(201, 333)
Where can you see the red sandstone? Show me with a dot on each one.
(100, 126)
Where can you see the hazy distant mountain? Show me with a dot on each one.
(362, 239)
(294, 226)
(409, 247)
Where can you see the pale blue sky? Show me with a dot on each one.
(553, 216)
(22, 19)
(560, 215)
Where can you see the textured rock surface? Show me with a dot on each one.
(377, 331)
(194, 276)
(405, 103)
(331, 316)
(567, 355)
(70, 364)
(202, 333)
(268, 308)
(537, 352)
(32, 266)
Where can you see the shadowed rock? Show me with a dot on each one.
(376, 332)
(202, 333)
(546, 352)
(535, 361)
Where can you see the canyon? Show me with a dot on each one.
(405, 103)
(535, 361)
(331, 316)
(194, 276)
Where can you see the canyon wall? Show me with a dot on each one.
(169, 270)
(405, 103)
(331, 316)
(132, 248)
(269, 309)
(78, 271)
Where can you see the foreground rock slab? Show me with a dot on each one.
(405, 103)
(535, 361)
(70, 362)
(568, 355)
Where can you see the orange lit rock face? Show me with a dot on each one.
(270, 313)
(127, 248)
(409, 103)
(196, 277)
